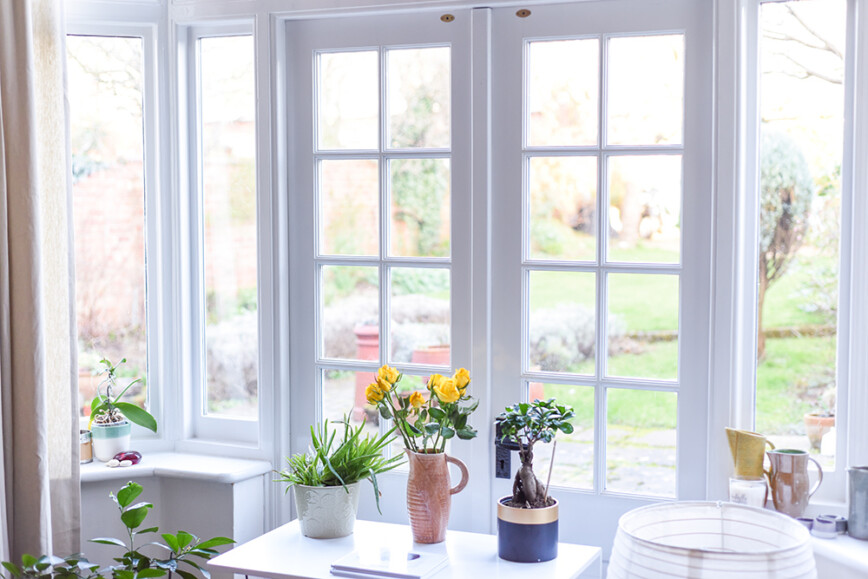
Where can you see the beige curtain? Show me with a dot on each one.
(40, 496)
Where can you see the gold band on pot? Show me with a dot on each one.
(526, 516)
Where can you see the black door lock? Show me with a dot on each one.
(502, 454)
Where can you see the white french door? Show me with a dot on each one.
(379, 159)
(592, 284)
(602, 234)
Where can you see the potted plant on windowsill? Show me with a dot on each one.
(527, 520)
(110, 418)
(327, 478)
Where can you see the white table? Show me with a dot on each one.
(285, 553)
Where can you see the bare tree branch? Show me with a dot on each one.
(827, 44)
(808, 72)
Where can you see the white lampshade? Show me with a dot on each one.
(707, 540)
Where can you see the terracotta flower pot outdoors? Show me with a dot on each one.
(429, 494)
(816, 427)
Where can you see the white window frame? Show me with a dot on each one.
(84, 20)
(734, 358)
(510, 261)
(203, 429)
(338, 35)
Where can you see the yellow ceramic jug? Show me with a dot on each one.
(748, 451)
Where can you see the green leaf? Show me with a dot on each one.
(447, 432)
(28, 560)
(12, 568)
(460, 421)
(134, 516)
(432, 428)
(148, 530)
(385, 413)
(128, 494)
(171, 541)
(184, 538)
(138, 415)
(437, 413)
(96, 405)
(466, 433)
(150, 573)
(185, 574)
(109, 541)
(170, 564)
(215, 542)
(124, 574)
(567, 428)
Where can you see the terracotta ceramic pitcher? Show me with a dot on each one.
(748, 451)
(429, 496)
(789, 481)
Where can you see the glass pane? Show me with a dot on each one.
(418, 97)
(801, 153)
(343, 395)
(228, 102)
(349, 201)
(348, 100)
(420, 316)
(643, 326)
(562, 322)
(641, 442)
(421, 207)
(574, 455)
(350, 312)
(645, 209)
(646, 90)
(563, 92)
(105, 106)
(563, 208)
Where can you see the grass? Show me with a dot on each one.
(790, 367)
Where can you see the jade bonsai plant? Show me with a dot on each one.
(110, 418)
(335, 467)
(179, 548)
(524, 533)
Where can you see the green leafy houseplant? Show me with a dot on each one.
(108, 409)
(133, 564)
(342, 462)
(526, 424)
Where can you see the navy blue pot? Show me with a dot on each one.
(527, 535)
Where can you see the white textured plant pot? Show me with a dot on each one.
(110, 439)
(710, 540)
(327, 512)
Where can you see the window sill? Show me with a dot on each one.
(845, 553)
(179, 465)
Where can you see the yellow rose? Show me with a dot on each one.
(373, 393)
(417, 400)
(435, 380)
(446, 391)
(388, 374)
(462, 379)
(384, 385)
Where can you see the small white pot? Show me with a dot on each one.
(327, 512)
(110, 439)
